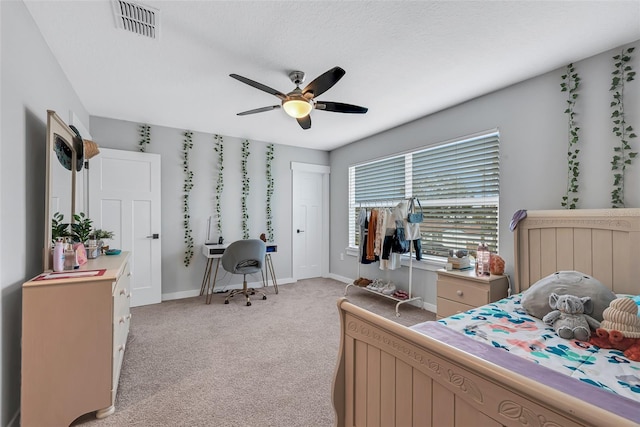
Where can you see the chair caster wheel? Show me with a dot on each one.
(226, 301)
(264, 297)
(248, 303)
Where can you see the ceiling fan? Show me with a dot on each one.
(299, 102)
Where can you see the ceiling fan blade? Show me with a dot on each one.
(339, 107)
(324, 82)
(259, 110)
(304, 122)
(259, 86)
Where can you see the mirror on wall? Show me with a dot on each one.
(64, 160)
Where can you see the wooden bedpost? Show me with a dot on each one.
(337, 394)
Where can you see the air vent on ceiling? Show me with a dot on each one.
(139, 19)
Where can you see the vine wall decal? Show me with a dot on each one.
(145, 137)
(245, 188)
(188, 186)
(219, 149)
(570, 84)
(623, 154)
(270, 188)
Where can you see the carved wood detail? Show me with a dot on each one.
(456, 379)
(583, 223)
(523, 415)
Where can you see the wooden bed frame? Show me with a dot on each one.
(389, 375)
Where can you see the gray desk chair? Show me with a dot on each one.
(244, 257)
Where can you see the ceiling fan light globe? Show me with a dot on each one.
(297, 108)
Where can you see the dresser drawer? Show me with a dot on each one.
(464, 293)
(447, 307)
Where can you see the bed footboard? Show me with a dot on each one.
(389, 375)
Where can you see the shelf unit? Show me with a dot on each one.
(398, 300)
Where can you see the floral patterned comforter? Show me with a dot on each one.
(506, 325)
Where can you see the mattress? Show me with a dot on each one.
(505, 325)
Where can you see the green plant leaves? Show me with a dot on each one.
(145, 137)
(270, 188)
(623, 155)
(219, 148)
(187, 145)
(245, 188)
(571, 83)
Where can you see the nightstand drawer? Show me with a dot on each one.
(464, 293)
(448, 308)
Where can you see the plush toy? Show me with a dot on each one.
(620, 328)
(570, 317)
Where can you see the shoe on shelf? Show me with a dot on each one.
(376, 285)
(400, 294)
(364, 282)
(388, 289)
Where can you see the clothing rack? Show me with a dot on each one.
(377, 204)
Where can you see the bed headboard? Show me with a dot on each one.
(603, 243)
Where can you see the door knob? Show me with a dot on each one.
(154, 236)
(299, 231)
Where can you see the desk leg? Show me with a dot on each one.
(207, 274)
(212, 283)
(270, 269)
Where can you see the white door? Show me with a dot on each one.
(124, 197)
(310, 221)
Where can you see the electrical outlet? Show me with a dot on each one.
(341, 256)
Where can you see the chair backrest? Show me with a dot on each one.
(244, 256)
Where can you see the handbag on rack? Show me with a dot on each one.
(412, 231)
(415, 217)
(400, 244)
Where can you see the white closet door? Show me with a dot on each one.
(124, 197)
(310, 220)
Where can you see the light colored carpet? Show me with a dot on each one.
(271, 364)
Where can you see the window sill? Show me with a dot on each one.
(427, 263)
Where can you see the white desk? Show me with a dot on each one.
(215, 251)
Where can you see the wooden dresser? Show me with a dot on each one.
(74, 332)
(459, 291)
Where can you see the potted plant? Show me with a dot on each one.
(99, 234)
(81, 228)
(95, 245)
(59, 228)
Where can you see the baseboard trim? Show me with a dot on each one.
(340, 278)
(196, 292)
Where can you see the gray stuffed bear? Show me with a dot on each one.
(570, 317)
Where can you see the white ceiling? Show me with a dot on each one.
(403, 59)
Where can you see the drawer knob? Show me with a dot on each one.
(459, 293)
(123, 291)
(122, 319)
(129, 317)
(121, 348)
(130, 293)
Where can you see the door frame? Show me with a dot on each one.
(297, 167)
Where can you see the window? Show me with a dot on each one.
(457, 184)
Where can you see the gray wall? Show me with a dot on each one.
(31, 82)
(533, 146)
(181, 281)
(533, 167)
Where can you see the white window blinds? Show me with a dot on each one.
(380, 180)
(457, 183)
